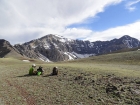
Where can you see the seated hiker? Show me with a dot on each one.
(54, 71)
(40, 71)
(32, 71)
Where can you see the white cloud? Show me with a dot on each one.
(133, 2)
(22, 19)
(130, 5)
(131, 9)
(131, 29)
(76, 33)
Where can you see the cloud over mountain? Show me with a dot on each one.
(23, 20)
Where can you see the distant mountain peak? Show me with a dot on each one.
(126, 37)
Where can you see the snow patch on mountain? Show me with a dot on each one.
(46, 46)
(34, 46)
(55, 45)
(128, 43)
(69, 55)
(83, 55)
(65, 40)
(58, 36)
(91, 45)
(62, 39)
(25, 60)
(75, 55)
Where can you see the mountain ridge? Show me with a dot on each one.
(58, 48)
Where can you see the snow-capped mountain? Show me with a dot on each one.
(57, 48)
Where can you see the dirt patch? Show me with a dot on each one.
(29, 99)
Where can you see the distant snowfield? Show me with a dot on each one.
(83, 55)
(26, 60)
(74, 55)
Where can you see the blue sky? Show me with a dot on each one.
(113, 16)
(24, 20)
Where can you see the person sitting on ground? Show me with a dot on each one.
(40, 71)
(32, 71)
(54, 71)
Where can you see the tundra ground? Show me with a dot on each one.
(83, 82)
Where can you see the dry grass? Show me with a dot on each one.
(82, 82)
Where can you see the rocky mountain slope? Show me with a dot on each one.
(6, 49)
(124, 42)
(57, 48)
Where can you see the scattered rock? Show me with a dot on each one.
(93, 81)
(115, 80)
(90, 96)
(99, 99)
(137, 82)
(110, 88)
(136, 91)
(78, 78)
(122, 89)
